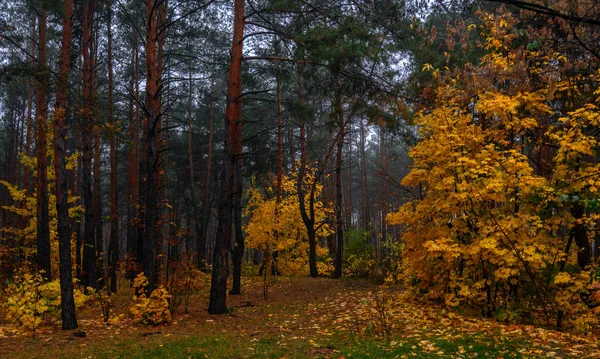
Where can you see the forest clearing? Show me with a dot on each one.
(299, 178)
(302, 318)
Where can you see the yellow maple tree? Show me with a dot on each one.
(279, 227)
(507, 173)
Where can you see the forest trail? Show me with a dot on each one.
(301, 318)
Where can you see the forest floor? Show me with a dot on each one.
(302, 318)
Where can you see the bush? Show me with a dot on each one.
(184, 281)
(151, 310)
(359, 256)
(31, 302)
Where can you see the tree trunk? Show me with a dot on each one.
(339, 230)
(78, 224)
(279, 143)
(97, 199)
(113, 246)
(67, 301)
(218, 289)
(349, 203)
(132, 166)
(238, 247)
(142, 130)
(269, 257)
(364, 184)
(383, 198)
(153, 112)
(197, 220)
(307, 217)
(29, 134)
(89, 275)
(291, 147)
(97, 194)
(43, 218)
(579, 234)
(202, 258)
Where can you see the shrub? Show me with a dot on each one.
(151, 310)
(31, 302)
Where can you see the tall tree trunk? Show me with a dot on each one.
(97, 198)
(132, 168)
(97, 194)
(113, 246)
(269, 257)
(202, 257)
(279, 142)
(307, 216)
(349, 203)
(76, 190)
(89, 275)
(218, 288)
(43, 219)
(152, 109)
(140, 160)
(142, 130)
(67, 301)
(29, 134)
(154, 25)
(238, 247)
(339, 227)
(162, 137)
(366, 215)
(197, 221)
(291, 147)
(383, 197)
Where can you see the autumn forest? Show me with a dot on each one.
(299, 178)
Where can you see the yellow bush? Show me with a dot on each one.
(30, 301)
(153, 310)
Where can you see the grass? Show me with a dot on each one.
(303, 318)
(231, 346)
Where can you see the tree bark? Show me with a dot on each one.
(579, 234)
(307, 216)
(197, 220)
(97, 199)
(269, 257)
(218, 289)
(238, 247)
(339, 230)
(43, 218)
(113, 246)
(153, 113)
(97, 146)
(67, 301)
(89, 275)
(366, 215)
(279, 143)
(202, 257)
(29, 133)
(132, 166)
(383, 198)
(78, 224)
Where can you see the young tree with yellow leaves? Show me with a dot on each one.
(507, 177)
(277, 226)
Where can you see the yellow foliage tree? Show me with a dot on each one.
(508, 181)
(279, 227)
(24, 206)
